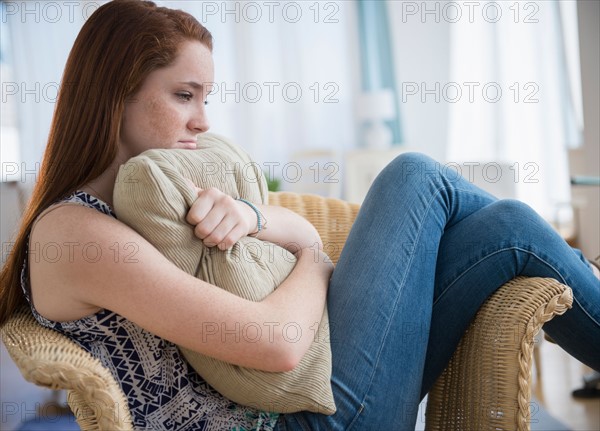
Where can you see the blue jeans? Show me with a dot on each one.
(426, 250)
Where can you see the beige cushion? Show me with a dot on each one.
(152, 197)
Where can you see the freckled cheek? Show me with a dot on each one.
(164, 122)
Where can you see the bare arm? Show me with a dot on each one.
(153, 293)
(289, 230)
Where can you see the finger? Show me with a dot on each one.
(207, 226)
(211, 209)
(220, 232)
(206, 202)
(198, 211)
(232, 237)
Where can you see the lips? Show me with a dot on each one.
(189, 144)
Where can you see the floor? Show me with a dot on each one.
(20, 400)
(560, 374)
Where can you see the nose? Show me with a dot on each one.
(198, 122)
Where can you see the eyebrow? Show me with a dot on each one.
(194, 84)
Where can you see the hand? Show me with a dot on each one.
(218, 219)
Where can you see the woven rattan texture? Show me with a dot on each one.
(48, 358)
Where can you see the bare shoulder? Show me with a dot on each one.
(73, 231)
(82, 261)
(68, 245)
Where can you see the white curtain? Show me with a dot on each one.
(41, 36)
(285, 72)
(517, 65)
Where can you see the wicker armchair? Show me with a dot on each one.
(485, 386)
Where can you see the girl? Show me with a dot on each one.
(406, 286)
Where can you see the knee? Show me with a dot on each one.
(412, 159)
(408, 167)
(512, 207)
(515, 215)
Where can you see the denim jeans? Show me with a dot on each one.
(426, 250)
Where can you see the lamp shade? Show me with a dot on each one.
(376, 105)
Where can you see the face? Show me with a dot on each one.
(168, 111)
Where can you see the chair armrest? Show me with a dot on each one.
(47, 358)
(486, 385)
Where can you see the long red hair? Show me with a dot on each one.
(117, 47)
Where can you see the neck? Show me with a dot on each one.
(102, 186)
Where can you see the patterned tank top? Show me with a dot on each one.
(163, 391)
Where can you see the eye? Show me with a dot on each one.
(185, 96)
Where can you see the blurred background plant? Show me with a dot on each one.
(273, 184)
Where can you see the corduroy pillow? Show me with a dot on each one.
(152, 196)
